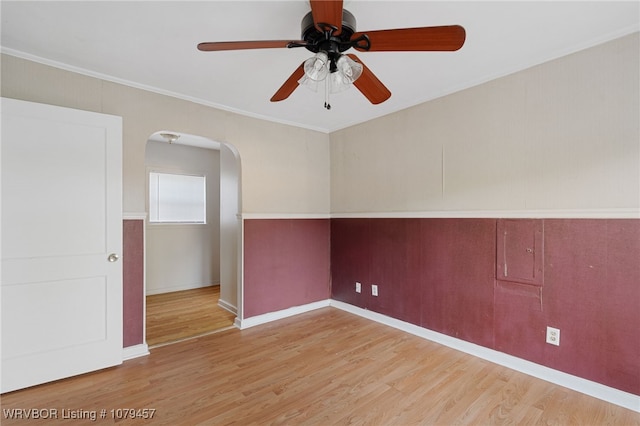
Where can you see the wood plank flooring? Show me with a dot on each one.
(325, 367)
(183, 314)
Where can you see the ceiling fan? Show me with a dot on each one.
(328, 31)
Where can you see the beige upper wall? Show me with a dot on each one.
(560, 136)
(284, 169)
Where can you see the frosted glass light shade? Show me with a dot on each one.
(316, 67)
(347, 72)
(349, 69)
(337, 82)
(308, 83)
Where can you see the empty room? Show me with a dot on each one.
(411, 212)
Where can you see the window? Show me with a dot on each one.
(175, 198)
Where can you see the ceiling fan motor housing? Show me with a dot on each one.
(326, 41)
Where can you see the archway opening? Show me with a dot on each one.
(192, 275)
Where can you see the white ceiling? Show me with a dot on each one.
(152, 45)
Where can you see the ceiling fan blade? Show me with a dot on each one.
(445, 38)
(289, 86)
(369, 85)
(327, 12)
(239, 45)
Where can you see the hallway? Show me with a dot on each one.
(184, 314)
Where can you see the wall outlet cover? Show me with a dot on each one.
(553, 336)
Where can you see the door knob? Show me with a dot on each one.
(113, 257)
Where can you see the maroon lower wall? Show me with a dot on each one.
(133, 282)
(579, 275)
(441, 274)
(286, 264)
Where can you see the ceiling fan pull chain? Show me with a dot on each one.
(327, 105)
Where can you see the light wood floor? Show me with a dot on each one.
(183, 314)
(325, 367)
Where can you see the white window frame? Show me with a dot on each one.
(162, 171)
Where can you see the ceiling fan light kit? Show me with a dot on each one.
(342, 73)
(328, 31)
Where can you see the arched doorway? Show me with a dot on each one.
(188, 155)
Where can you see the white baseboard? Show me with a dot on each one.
(228, 306)
(237, 323)
(285, 313)
(135, 351)
(596, 390)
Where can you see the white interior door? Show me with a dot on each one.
(61, 295)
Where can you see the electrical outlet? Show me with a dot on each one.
(358, 287)
(553, 336)
(374, 290)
